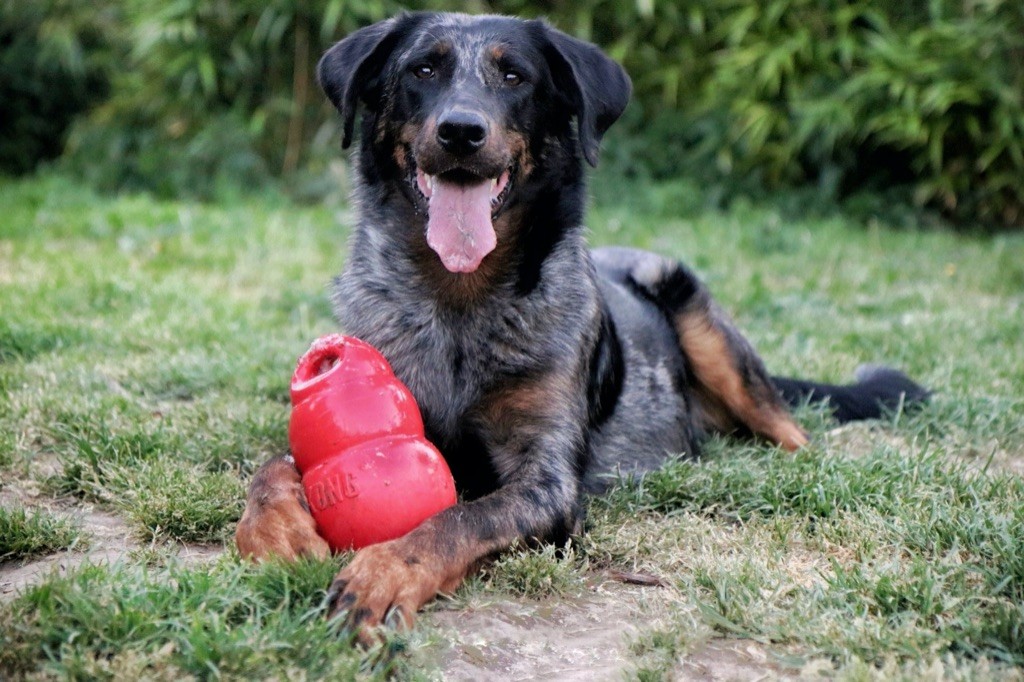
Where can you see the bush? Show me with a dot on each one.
(854, 100)
(850, 96)
(853, 96)
(54, 63)
(216, 94)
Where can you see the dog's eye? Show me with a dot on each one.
(423, 71)
(513, 78)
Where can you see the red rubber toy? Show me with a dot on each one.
(357, 437)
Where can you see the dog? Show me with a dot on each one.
(543, 370)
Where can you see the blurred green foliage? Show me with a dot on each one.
(218, 95)
(53, 66)
(854, 97)
(925, 96)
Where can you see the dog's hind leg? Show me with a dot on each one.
(732, 389)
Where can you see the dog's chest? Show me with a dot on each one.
(452, 364)
(454, 359)
(450, 360)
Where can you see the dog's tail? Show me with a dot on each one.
(877, 391)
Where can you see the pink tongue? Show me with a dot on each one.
(459, 225)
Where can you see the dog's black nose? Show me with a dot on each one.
(461, 132)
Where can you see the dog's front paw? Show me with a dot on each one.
(386, 584)
(279, 528)
(276, 520)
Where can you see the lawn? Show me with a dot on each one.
(145, 349)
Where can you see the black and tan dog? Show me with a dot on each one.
(542, 368)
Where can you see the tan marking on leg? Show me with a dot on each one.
(712, 363)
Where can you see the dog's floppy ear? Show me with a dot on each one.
(598, 87)
(352, 67)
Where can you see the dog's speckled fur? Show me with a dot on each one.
(550, 368)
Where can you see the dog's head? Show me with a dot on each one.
(462, 108)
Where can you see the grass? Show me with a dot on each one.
(536, 573)
(231, 620)
(24, 534)
(891, 552)
(153, 495)
(145, 348)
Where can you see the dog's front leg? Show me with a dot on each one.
(389, 582)
(276, 520)
(534, 430)
(534, 436)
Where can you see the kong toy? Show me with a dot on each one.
(357, 437)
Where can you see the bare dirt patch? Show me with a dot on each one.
(739, 660)
(106, 538)
(576, 638)
(584, 638)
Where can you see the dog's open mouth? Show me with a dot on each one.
(461, 208)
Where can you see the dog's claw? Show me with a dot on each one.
(337, 600)
(396, 618)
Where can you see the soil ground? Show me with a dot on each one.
(566, 639)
